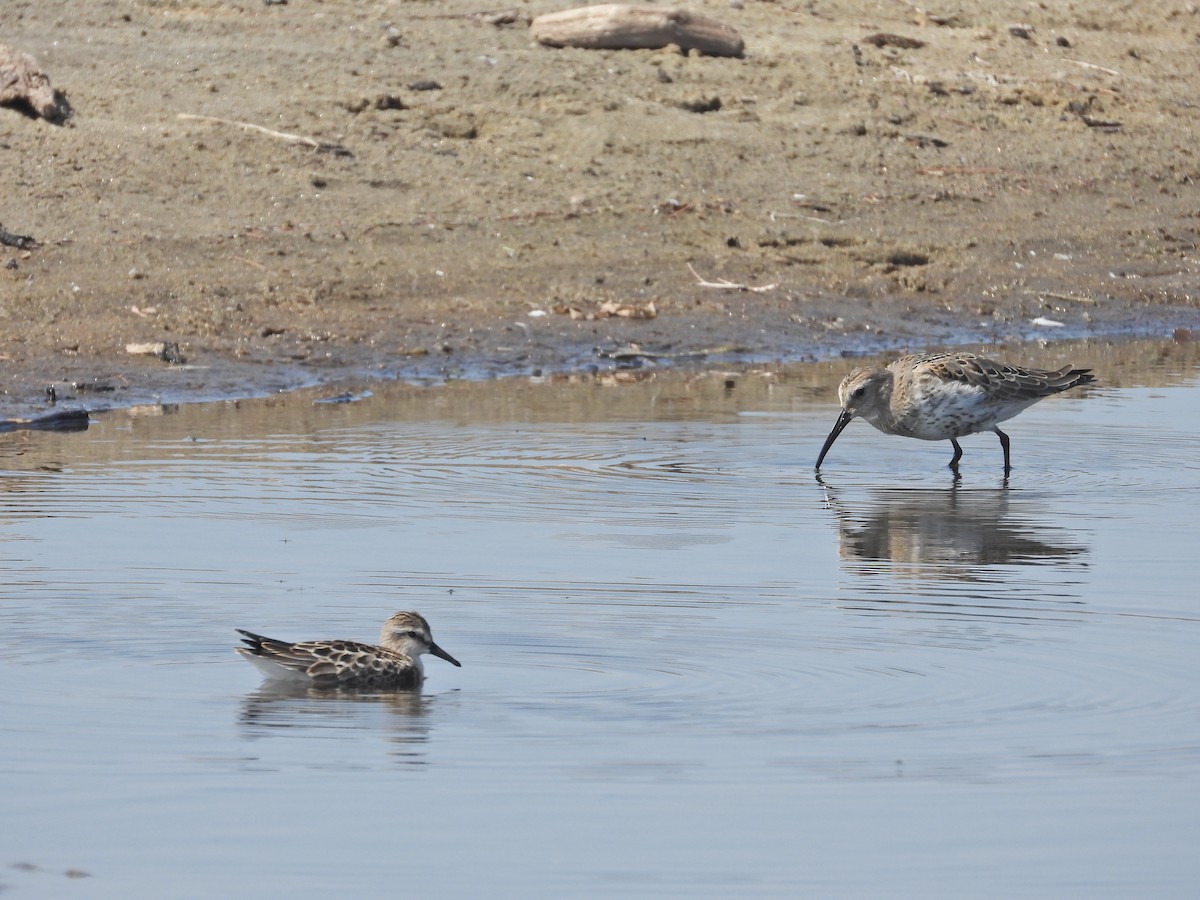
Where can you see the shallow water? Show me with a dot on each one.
(689, 668)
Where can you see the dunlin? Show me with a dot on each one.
(394, 664)
(944, 396)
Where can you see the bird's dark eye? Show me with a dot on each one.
(858, 393)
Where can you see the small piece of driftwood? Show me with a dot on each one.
(167, 351)
(20, 241)
(60, 420)
(885, 39)
(23, 83)
(616, 26)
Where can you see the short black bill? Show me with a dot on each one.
(442, 654)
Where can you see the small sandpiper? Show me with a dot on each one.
(944, 396)
(395, 664)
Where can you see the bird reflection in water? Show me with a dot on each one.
(400, 717)
(945, 533)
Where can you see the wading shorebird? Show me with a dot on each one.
(945, 396)
(396, 663)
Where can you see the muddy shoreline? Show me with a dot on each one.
(506, 208)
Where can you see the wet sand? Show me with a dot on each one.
(480, 205)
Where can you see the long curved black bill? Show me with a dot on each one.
(439, 652)
(843, 419)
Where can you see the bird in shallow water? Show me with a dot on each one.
(396, 663)
(944, 396)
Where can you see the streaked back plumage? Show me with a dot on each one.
(395, 664)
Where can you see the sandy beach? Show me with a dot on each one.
(248, 197)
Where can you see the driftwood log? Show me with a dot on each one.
(616, 26)
(22, 82)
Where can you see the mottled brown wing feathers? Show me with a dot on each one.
(1004, 381)
(326, 662)
(331, 663)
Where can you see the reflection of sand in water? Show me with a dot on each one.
(946, 533)
(275, 708)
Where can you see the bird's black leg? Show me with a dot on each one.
(1004, 443)
(957, 454)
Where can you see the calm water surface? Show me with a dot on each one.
(689, 668)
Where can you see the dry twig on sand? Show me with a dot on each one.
(320, 146)
(1088, 65)
(725, 285)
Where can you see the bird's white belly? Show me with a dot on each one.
(955, 412)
